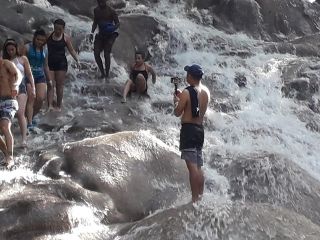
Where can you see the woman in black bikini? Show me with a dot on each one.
(57, 61)
(138, 77)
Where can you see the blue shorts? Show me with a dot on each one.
(41, 79)
(192, 155)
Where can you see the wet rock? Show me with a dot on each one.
(84, 7)
(261, 19)
(268, 178)
(301, 81)
(134, 168)
(240, 80)
(136, 31)
(310, 116)
(239, 221)
(45, 207)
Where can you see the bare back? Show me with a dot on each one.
(203, 98)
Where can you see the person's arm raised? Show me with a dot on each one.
(180, 102)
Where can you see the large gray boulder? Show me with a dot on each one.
(138, 171)
(136, 32)
(266, 19)
(238, 221)
(46, 208)
(269, 178)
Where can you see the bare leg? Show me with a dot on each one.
(194, 180)
(50, 90)
(97, 49)
(60, 77)
(141, 85)
(41, 89)
(30, 102)
(3, 147)
(201, 180)
(129, 84)
(5, 126)
(22, 101)
(107, 46)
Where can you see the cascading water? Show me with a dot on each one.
(250, 121)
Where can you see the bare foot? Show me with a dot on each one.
(50, 109)
(10, 162)
(124, 100)
(102, 76)
(24, 143)
(57, 109)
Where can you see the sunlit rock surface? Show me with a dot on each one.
(238, 221)
(136, 170)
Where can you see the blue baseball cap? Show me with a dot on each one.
(194, 70)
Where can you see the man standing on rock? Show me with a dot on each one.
(191, 104)
(10, 79)
(107, 21)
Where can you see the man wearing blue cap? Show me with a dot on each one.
(191, 104)
(107, 20)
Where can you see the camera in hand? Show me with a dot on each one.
(176, 80)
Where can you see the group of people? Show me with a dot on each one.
(30, 73)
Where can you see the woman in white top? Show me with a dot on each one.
(10, 52)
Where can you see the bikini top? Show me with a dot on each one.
(134, 73)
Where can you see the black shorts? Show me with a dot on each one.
(57, 64)
(191, 136)
(104, 42)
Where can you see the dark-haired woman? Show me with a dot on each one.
(57, 61)
(37, 54)
(139, 73)
(10, 52)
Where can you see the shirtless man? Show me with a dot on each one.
(10, 79)
(107, 20)
(191, 104)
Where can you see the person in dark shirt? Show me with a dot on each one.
(107, 21)
(57, 61)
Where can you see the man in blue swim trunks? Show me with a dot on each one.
(191, 104)
(106, 19)
(10, 79)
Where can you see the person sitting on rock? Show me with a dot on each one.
(108, 22)
(10, 78)
(139, 74)
(10, 52)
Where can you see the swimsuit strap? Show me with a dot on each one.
(195, 109)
